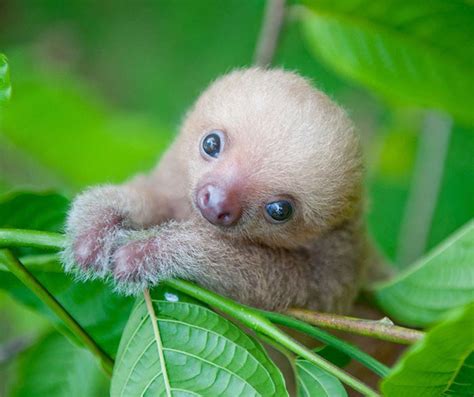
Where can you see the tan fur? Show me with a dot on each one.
(284, 138)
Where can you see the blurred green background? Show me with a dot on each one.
(99, 89)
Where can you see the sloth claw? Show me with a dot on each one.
(90, 249)
(135, 261)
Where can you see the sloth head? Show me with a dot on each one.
(271, 158)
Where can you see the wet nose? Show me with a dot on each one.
(219, 206)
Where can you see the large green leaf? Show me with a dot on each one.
(93, 304)
(5, 87)
(419, 53)
(441, 281)
(437, 365)
(54, 367)
(204, 353)
(313, 381)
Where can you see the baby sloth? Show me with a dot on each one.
(258, 199)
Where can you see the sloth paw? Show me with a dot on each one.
(136, 265)
(88, 251)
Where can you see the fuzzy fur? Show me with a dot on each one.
(283, 138)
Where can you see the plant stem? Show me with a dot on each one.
(379, 329)
(352, 351)
(254, 320)
(270, 32)
(55, 240)
(30, 238)
(20, 271)
(289, 355)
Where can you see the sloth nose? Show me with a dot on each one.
(219, 206)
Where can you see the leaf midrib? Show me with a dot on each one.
(179, 322)
(248, 340)
(159, 343)
(461, 363)
(236, 345)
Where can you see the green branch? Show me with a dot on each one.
(326, 338)
(10, 238)
(254, 320)
(22, 273)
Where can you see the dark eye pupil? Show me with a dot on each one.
(279, 210)
(212, 145)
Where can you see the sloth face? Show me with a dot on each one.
(222, 204)
(271, 158)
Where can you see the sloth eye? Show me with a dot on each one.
(279, 211)
(212, 144)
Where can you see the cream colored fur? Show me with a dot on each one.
(284, 138)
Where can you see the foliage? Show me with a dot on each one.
(61, 132)
(440, 364)
(117, 144)
(47, 211)
(312, 381)
(41, 211)
(417, 53)
(204, 354)
(55, 367)
(224, 359)
(441, 281)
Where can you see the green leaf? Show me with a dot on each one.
(313, 381)
(438, 364)
(441, 281)
(205, 354)
(463, 384)
(100, 311)
(5, 87)
(43, 211)
(54, 367)
(93, 304)
(334, 355)
(418, 53)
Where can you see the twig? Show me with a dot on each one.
(22, 273)
(424, 190)
(269, 32)
(382, 329)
